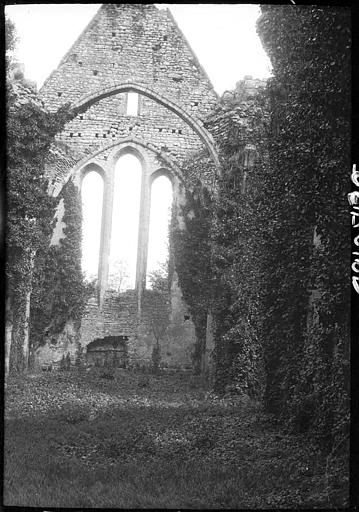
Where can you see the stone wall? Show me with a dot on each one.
(131, 48)
(66, 343)
(121, 316)
(135, 43)
(130, 44)
(106, 122)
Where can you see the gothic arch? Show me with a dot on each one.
(92, 160)
(92, 166)
(86, 101)
(128, 168)
(128, 147)
(163, 171)
(93, 208)
(161, 201)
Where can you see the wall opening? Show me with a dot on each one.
(92, 198)
(132, 104)
(160, 218)
(109, 351)
(125, 224)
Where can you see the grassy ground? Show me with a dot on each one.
(135, 441)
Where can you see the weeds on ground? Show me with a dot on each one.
(81, 440)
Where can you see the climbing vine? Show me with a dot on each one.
(307, 297)
(192, 257)
(269, 253)
(217, 254)
(240, 128)
(60, 293)
(31, 131)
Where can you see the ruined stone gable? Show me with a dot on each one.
(127, 49)
(133, 47)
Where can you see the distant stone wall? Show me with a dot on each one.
(120, 316)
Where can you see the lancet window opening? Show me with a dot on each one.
(125, 223)
(92, 192)
(127, 260)
(158, 249)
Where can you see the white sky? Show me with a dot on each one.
(223, 36)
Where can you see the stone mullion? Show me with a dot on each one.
(143, 233)
(106, 227)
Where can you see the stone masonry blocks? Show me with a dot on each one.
(130, 47)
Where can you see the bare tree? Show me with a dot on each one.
(118, 279)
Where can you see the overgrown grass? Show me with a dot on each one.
(82, 440)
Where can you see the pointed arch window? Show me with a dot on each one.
(160, 218)
(125, 223)
(92, 200)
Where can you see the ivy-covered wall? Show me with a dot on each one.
(60, 292)
(265, 247)
(217, 255)
(240, 126)
(271, 248)
(30, 132)
(192, 261)
(308, 237)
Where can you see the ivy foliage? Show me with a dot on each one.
(269, 254)
(192, 257)
(237, 245)
(217, 256)
(306, 308)
(52, 275)
(159, 278)
(61, 293)
(30, 132)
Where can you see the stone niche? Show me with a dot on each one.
(108, 351)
